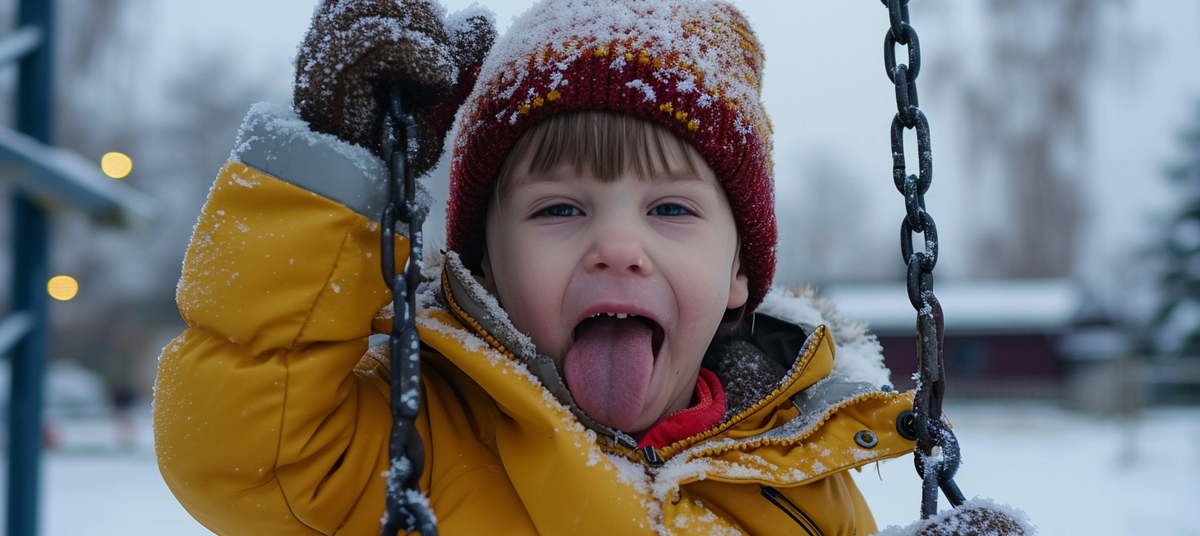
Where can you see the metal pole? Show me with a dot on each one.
(34, 110)
(28, 366)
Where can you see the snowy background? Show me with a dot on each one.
(168, 81)
(1073, 475)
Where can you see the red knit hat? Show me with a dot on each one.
(694, 67)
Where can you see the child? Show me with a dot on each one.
(592, 361)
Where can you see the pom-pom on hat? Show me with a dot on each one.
(694, 67)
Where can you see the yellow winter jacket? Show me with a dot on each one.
(271, 411)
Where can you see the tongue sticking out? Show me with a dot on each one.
(608, 369)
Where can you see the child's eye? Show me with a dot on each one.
(560, 211)
(670, 209)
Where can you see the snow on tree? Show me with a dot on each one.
(1175, 329)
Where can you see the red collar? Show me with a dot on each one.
(708, 412)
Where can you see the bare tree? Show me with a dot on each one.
(1025, 103)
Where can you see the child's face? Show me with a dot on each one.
(563, 248)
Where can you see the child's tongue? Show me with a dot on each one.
(608, 369)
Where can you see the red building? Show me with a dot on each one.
(1002, 338)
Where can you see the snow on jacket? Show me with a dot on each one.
(272, 416)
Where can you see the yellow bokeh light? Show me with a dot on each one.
(116, 165)
(63, 287)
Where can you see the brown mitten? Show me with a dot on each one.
(977, 517)
(356, 50)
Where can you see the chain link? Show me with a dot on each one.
(407, 508)
(937, 455)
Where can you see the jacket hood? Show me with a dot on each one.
(808, 427)
(782, 353)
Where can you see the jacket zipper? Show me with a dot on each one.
(651, 457)
(793, 511)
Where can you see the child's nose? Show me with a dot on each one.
(618, 250)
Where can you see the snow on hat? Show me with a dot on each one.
(694, 67)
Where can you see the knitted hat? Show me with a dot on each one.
(694, 67)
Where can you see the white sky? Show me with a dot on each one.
(826, 92)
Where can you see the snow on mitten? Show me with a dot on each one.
(977, 517)
(356, 50)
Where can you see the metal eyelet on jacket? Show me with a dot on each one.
(866, 439)
(906, 425)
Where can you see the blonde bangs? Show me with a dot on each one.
(603, 145)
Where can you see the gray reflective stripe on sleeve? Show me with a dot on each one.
(319, 163)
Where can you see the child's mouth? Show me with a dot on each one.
(609, 365)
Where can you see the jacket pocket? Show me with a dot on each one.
(793, 511)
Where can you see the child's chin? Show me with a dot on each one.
(632, 425)
(642, 424)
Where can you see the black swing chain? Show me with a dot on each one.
(407, 509)
(937, 455)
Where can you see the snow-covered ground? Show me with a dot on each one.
(1072, 474)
